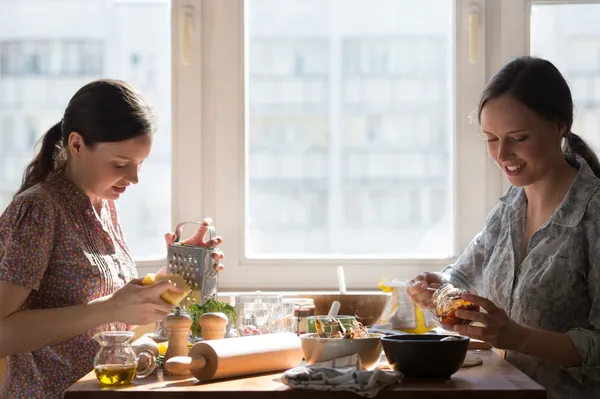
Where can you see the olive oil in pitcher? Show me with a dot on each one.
(111, 375)
(117, 363)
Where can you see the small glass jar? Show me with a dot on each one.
(303, 308)
(287, 321)
(258, 313)
(447, 300)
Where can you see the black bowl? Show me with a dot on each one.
(425, 356)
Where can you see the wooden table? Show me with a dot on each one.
(496, 378)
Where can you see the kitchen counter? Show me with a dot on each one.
(495, 378)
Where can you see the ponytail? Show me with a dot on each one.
(46, 161)
(577, 146)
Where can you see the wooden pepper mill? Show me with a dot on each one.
(213, 325)
(178, 327)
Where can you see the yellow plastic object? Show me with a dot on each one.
(412, 320)
(422, 328)
(163, 346)
(384, 286)
(168, 296)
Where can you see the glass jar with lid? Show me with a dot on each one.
(447, 300)
(295, 314)
(303, 308)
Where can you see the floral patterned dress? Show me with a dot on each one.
(53, 242)
(557, 285)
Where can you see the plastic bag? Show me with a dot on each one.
(401, 314)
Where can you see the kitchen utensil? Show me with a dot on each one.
(386, 331)
(318, 350)
(425, 355)
(178, 326)
(196, 264)
(236, 357)
(334, 309)
(450, 338)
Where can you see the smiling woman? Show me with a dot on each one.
(536, 264)
(529, 102)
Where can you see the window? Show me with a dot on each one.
(32, 132)
(65, 57)
(84, 57)
(43, 61)
(327, 87)
(346, 130)
(336, 133)
(25, 57)
(569, 36)
(566, 33)
(315, 133)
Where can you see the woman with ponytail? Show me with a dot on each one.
(66, 272)
(536, 265)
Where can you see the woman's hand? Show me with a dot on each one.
(198, 238)
(499, 330)
(170, 239)
(417, 289)
(136, 304)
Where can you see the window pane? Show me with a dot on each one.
(349, 128)
(568, 35)
(43, 61)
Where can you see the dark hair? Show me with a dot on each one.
(539, 85)
(101, 111)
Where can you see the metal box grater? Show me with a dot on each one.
(197, 266)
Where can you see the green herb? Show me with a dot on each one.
(210, 306)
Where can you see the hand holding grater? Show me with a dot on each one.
(197, 260)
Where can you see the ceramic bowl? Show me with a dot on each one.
(425, 355)
(318, 350)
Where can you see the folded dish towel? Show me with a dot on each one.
(343, 374)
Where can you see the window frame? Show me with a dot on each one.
(208, 137)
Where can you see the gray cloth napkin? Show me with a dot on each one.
(343, 374)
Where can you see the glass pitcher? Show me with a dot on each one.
(116, 363)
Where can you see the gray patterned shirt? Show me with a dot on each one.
(555, 288)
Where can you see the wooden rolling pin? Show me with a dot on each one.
(236, 357)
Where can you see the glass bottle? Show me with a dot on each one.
(116, 363)
(447, 300)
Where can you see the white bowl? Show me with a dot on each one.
(318, 350)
